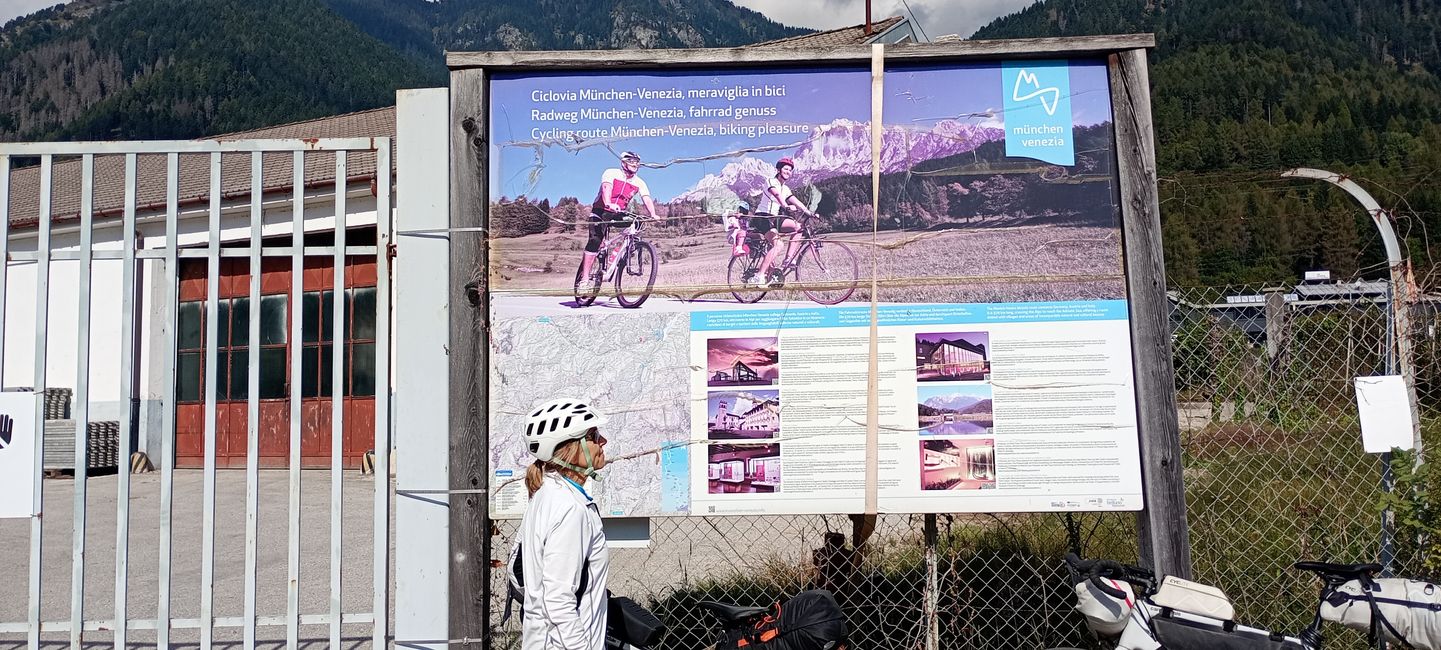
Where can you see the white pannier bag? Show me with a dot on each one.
(1105, 614)
(1410, 610)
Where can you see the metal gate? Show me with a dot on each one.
(124, 218)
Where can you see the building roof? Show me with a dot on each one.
(853, 35)
(194, 170)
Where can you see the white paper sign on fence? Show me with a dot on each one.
(17, 454)
(1385, 413)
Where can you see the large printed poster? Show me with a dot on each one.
(694, 252)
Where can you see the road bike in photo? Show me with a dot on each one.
(825, 271)
(625, 258)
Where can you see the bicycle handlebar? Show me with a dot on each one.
(1095, 570)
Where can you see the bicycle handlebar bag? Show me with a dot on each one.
(1105, 614)
(811, 620)
(1410, 610)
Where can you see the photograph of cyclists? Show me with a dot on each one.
(619, 190)
(715, 190)
(743, 361)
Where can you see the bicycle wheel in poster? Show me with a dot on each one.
(635, 274)
(585, 292)
(827, 272)
(738, 275)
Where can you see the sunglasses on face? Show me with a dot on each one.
(594, 436)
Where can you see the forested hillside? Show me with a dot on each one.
(129, 69)
(1242, 89)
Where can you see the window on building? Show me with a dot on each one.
(315, 348)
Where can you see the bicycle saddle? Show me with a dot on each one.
(1347, 571)
(731, 614)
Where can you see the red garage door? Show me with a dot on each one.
(276, 351)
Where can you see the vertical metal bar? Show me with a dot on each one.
(82, 405)
(4, 249)
(932, 595)
(297, 350)
(252, 402)
(337, 397)
(167, 379)
(128, 358)
(212, 387)
(381, 568)
(42, 314)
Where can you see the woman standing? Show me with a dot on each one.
(563, 549)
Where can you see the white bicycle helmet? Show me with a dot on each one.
(556, 422)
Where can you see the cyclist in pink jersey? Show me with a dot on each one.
(776, 199)
(617, 187)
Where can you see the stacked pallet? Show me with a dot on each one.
(102, 439)
(102, 445)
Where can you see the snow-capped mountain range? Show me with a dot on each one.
(956, 403)
(843, 148)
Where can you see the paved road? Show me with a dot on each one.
(358, 516)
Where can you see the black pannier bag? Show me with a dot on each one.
(811, 620)
(627, 621)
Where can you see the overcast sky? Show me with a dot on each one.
(936, 17)
(13, 8)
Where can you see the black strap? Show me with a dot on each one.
(1367, 584)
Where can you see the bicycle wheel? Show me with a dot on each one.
(635, 274)
(585, 292)
(738, 275)
(827, 272)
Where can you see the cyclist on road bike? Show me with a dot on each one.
(617, 187)
(774, 201)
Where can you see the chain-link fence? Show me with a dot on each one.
(1274, 472)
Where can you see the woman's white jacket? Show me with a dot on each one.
(561, 533)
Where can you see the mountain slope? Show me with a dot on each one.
(181, 68)
(1242, 89)
(134, 69)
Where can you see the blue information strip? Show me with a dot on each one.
(920, 314)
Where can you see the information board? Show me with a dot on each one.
(986, 275)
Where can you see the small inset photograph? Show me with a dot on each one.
(743, 415)
(744, 469)
(964, 464)
(954, 409)
(952, 356)
(743, 362)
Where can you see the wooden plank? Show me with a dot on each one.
(469, 360)
(1165, 544)
(1074, 46)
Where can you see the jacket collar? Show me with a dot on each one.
(574, 490)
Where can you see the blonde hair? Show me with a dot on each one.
(567, 452)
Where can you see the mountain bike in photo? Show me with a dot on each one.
(627, 259)
(825, 271)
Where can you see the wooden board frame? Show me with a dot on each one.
(1163, 540)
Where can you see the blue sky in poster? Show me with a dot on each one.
(532, 114)
(923, 95)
